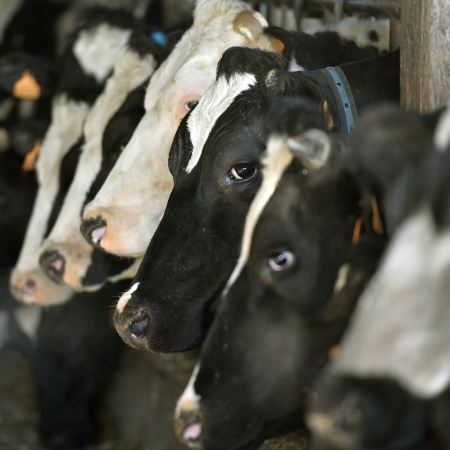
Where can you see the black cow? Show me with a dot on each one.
(215, 164)
(289, 298)
(350, 410)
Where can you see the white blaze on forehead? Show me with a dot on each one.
(211, 106)
(442, 133)
(277, 159)
(125, 297)
(98, 48)
(64, 131)
(401, 326)
(189, 399)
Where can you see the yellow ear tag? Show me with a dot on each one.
(328, 118)
(30, 159)
(27, 87)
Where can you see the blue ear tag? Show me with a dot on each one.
(159, 37)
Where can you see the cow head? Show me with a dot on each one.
(90, 56)
(403, 353)
(126, 211)
(289, 297)
(66, 256)
(55, 165)
(215, 162)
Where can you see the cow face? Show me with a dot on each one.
(216, 168)
(130, 204)
(66, 256)
(407, 348)
(286, 303)
(86, 63)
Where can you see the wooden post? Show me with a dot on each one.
(425, 54)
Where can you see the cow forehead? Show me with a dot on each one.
(211, 106)
(97, 49)
(276, 160)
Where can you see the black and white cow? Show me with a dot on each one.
(215, 162)
(289, 298)
(123, 216)
(405, 351)
(92, 52)
(66, 256)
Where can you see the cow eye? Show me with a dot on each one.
(281, 261)
(243, 171)
(190, 105)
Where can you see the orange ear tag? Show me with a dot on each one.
(377, 223)
(357, 230)
(333, 353)
(30, 159)
(27, 88)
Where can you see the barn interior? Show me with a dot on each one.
(75, 372)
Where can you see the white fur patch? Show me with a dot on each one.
(97, 49)
(401, 326)
(442, 133)
(341, 280)
(189, 399)
(275, 162)
(211, 106)
(125, 297)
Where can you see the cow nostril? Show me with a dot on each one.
(192, 433)
(94, 230)
(139, 327)
(53, 264)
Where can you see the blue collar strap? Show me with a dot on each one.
(343, 97)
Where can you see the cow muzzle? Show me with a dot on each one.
(133, 328)
(188, 423)
(53, 264)
(94, 230)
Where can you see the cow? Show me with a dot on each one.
(407, 349)
(285, 306)
(123, 216)
(65, 255)
(215, 162)
(88, 61)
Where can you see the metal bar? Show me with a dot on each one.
(390, 8)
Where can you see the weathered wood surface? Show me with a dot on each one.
(425, 54)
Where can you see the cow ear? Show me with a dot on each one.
(312, 148)
(251, 24)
